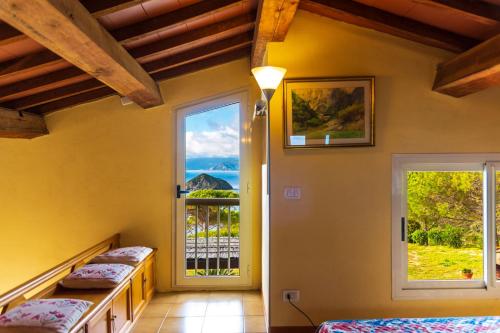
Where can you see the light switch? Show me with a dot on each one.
(292, 193)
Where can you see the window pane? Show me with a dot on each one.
(445, 225)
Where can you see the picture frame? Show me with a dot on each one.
(329, 112)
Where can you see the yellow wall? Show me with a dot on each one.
(103, 169)
(334, 244)
(106, 168)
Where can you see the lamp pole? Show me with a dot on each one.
(268, 78)
(269, 95)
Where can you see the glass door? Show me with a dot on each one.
(213, 232)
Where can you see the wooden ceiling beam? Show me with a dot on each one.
(54, 94)
(373, 18)
(66, 28)
(100, 8)
(471, 71)
(9, 35)
(97, 8)
(10, 91)
(201, 52)
(23, 125)
(481, 11)
(28, 64)
(179, 59)
(74, 100)
(47, 58)
(143, 29)
(163, 75)
(273, 21)
(202, 64)
(238, 24)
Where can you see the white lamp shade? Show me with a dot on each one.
(268, 77)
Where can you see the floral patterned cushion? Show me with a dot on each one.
(44, 316)
(126, 255)
(98, 276)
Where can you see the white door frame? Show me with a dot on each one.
(180, 281)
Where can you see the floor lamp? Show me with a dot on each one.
(268, 78)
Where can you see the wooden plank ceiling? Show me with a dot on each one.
(468, 27)
(166, 37)
(173, 37)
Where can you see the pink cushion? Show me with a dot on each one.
(125, 255)
(44, 316)
(97, 276)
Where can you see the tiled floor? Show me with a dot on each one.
(203, 312)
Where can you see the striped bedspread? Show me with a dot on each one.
(413, 325)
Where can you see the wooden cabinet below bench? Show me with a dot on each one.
(129, 301)
(122, 311)
(116, 316)
(149, 274)
(101, 322)
(138, 291)
(143, 285)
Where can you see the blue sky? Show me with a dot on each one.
(213, 133)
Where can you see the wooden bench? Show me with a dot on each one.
(114, 310)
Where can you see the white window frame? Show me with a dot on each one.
(402, 289)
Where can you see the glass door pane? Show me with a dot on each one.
(445, 225)
(212, 177)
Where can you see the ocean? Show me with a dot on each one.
(232, 177)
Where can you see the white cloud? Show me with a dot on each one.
(222, 142)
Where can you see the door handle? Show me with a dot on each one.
(403, 229)
(180, 192)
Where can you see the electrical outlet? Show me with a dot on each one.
(292, 193)
(292, 295)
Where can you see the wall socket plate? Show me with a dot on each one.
(292, 193)
(294, 295)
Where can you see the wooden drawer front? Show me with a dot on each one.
(149, 275)
(122, 316)
(138, 292)
(101, 322)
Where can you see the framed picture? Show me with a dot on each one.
(329, 112)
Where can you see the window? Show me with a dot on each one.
(445, 234)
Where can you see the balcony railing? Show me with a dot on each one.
(212, 236)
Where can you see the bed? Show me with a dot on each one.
(407, 325)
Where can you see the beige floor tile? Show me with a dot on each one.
(188, 309)
(225, 308)
(252, 296)
(192, 296)
(147, 325)
(225, 295)
(164, 298)
(253, 309)
(255, 324)
(233, 324)
(203, 312)
(156, 310)
(182, 325)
